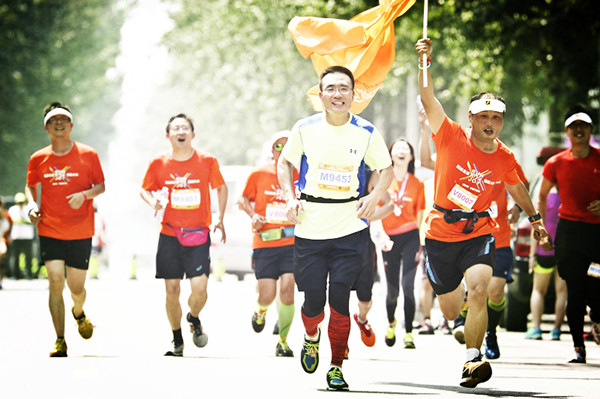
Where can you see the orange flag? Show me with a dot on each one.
(365, 45)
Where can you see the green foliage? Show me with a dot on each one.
(54, 51)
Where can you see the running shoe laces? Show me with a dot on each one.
(335, 380)
(309, 356)
(366, 332)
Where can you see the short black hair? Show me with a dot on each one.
(180, 115)
(336, 69)
(577, 108)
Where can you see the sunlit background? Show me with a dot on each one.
(126, 66)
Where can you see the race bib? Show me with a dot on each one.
(276, 213)
(462, 197)
(331, 177)
(594, 270)
(185, 198)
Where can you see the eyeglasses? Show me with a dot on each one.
(278, 147)
(183, 128)
(61, 119)
(344, 90)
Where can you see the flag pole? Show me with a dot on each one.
(425, 37)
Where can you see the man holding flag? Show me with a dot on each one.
(459, 230)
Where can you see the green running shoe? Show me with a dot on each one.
(390, 334)
(258, 321)
(60, 348)
(335, 380)
(309, 356)
(84, 325)
(283, 349)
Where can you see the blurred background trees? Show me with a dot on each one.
(234, 68)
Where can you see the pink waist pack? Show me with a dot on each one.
(191, 237)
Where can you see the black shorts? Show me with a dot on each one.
(364, 282)
(273, 262)
(174, 261)
(448, 261)
(504, 262)
(339, 258)
(75, 253)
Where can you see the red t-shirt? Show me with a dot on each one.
(262, 188)
(407, 204)
(578, 182)
(499, 211)
(61, 176)
(189, 183)
(461, 166)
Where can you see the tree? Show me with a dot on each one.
(54, 51)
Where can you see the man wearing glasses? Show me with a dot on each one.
(184, 176)
(330, 150)
(70, 176)
(459, 235)
(272, 244)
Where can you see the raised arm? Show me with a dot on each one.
(433, 108)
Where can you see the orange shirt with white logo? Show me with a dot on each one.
(407, 204)
(262, 188)
(61, 176)
(189, 183)
(499, 211)
(462, 169)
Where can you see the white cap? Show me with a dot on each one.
(487, 104)
(279, 135)
(580, 116)
(57, 111)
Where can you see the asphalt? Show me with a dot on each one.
(124, 358)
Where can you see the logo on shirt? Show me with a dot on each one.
(275, 192)
(474, 176)
(60, 176)
(182, 181)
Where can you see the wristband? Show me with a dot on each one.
(255, 216)
(535, 218)
(32, 206)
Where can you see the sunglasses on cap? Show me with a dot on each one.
(278, 147)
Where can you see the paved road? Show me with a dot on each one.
(124, 357)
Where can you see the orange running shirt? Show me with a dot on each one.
(407, 205)
(499, 211)
(461, 166)
(189, 183)
(61, 176)
(262, 188)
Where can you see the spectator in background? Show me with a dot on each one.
(543, 265)
(5, 227)
(22, 235)
(576, 174)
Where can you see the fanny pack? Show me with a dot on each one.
(310, 198)
(276, 234)
(191, 237)
(452, 216)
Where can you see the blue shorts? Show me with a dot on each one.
(174, 261)
(340, 259)
(75, 253)
(273, 262)
(504, 263)
(448, 261)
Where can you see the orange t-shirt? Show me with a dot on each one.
(461, 166)
(407, 202)
(262, 188)
(500, 211)
(61, 176)
(189, 184)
